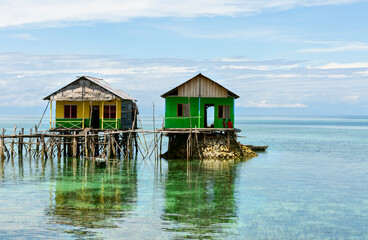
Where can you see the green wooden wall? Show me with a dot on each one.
(196, 118)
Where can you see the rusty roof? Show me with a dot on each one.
(100, 82)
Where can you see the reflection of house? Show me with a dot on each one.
(92, 102)
(200, 202)
(88, 197)
(187, 104)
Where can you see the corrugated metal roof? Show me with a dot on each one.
(100, 82)
(200, 74)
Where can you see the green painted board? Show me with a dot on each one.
(197, 106)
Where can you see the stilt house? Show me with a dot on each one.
(92, 103)
(187, 105)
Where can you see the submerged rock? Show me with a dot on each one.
(210, 147)
(216, 147)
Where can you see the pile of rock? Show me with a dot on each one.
(209, 147)
(217, 148)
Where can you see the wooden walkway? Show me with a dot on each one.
(89, 142)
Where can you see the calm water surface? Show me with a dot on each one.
(312, 183)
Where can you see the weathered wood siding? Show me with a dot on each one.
(126, 114)
(201, 87)
(83, 90)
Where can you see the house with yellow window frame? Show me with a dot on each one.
(89, 102)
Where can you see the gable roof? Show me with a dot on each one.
(198, 93)
(99, 82)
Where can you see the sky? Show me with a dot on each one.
(282, 57)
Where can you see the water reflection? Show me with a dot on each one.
(200, 200)
(90, 197)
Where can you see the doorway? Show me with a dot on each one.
(95, 119)
(209, 115)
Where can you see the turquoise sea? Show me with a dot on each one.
(312, 183)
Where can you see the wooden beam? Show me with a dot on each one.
(50, 113)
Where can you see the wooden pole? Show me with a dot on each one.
(83, 117)
(50, 113)
(20, 143)
(103, 113)
(37, 139)
(116, 113)
(12, 143)
(109, 150)
(90, 113)
(113, 146)
(86, 143)
(75, 145)
(199, 153)
(51, 147)
(64, 147)
(30, 143)
(228, 141)
(161, 144)
(43, 147)
(2, 147)
(144, 137)
(188, 148)
(59, 148)
(154, 127)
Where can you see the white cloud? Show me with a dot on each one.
(19, 12)
(341, 65)
(338, 47)
(265, 104)
(23, 36)
(365, 73)
(26, 79)
(354, 98)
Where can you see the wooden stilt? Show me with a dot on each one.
(2, 147)
(113, 145)
(228, 141)
(30, 143)
(75, 145)
(12, 142)
(59, 148)
(64, 147)
(20, 143)
(86, 143)
(37, 140)
(43, 147)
